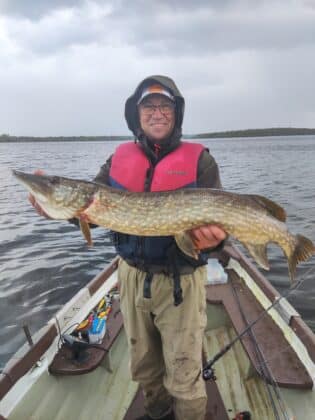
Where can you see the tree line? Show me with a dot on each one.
(258, 132)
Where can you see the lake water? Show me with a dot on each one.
(43, 263)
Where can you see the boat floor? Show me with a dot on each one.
(103, 395)
(239, 395)
(108, 392)
(215, 406)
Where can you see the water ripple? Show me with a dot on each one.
(43, 263)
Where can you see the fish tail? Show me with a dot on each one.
(302, 250)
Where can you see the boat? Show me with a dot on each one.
(267, 373)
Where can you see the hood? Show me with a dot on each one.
(131, 111)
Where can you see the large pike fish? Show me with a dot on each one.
(253, 220)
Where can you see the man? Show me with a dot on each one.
(164, 335)
(162, 290)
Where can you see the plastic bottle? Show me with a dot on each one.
(97, 330)
(216, 273)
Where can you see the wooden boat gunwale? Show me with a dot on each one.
(287, 312)
(20, 365)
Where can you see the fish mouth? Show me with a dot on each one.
(36, 184)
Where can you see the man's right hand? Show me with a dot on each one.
(33, 201)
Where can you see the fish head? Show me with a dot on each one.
(60, 198)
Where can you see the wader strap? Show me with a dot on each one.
(177, 291)
(173, 262)
(147, 285)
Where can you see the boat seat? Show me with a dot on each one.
(287, 369)
(63, 363)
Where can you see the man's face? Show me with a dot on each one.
(157, 117)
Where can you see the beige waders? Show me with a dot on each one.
(165, 341)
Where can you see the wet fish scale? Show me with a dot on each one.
(253, 220)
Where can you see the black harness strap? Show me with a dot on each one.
(177, 291)
(174, 268)
(147, 285)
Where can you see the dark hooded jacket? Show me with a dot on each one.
(132, 117)
(208, 174)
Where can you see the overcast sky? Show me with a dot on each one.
(67, 67)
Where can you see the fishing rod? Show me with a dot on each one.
(208, 370)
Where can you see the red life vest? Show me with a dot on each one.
(129, 171)
(178, 169)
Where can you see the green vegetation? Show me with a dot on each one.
(25, 139)
(260, 132)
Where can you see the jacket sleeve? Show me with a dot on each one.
(103, 175)
(208, 175)
(103, 178)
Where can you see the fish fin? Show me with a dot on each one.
(303, 250)
(85, 229)
(258, 252)
(186, 244)
(273, 208)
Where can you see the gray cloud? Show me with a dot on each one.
(34, 9)
(167, 28)
(202, 29)
(61, 28)
(240, 64)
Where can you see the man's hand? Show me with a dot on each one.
(209, 236)
(33, 201)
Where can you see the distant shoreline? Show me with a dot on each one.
(261, 132)
(27, 139)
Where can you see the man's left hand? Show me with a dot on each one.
(209, 236)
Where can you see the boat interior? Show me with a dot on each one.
(268, 372)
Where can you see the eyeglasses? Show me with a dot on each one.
(165, 109)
